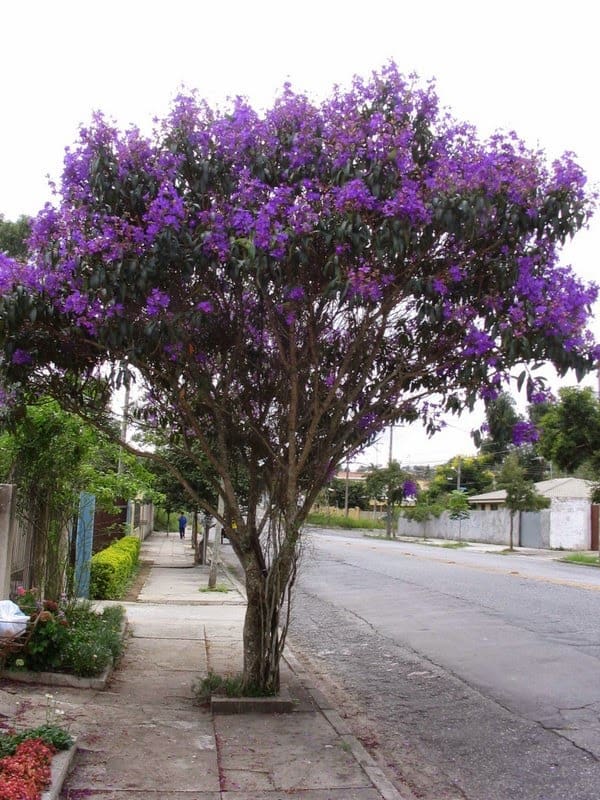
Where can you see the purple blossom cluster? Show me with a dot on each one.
(409, 489)
(157, 302)
(524, 432)
(368, 242)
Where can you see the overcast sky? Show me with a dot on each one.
(530, 65)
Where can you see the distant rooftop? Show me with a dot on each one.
(555, 487)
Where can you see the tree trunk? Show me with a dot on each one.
(512, 518)
(264, 629)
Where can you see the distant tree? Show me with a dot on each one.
(471, 473)
(570, 431)
(14, 235)
(197, 470)
(357, 494)
(422, 471)
(521, 494)
(508, 431)
(535, 466)
(425, 508)
(458, 508)
(390, 485)
(501, 418)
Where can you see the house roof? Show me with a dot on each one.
(555, 487)
(352, 476)
(498, 496)
(565, 487)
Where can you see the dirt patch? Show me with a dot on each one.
(137, 584)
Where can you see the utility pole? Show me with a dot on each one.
(123, 427)
(458, 471)
(346, 487)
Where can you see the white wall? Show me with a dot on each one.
(492, 527)
(570, 523)
(565, 525)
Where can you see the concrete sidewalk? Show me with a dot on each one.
(143, 736)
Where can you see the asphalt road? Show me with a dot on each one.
(471, 675)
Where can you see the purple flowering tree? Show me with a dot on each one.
(282, 286)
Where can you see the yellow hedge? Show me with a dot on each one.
(112, 568)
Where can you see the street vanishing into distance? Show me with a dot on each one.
(470, 674)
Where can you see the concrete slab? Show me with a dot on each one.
(185, 585)
(177, 753)
(165, 654)
(290, 752)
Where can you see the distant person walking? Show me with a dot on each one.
(182, 523)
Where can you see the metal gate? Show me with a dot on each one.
(530, 530)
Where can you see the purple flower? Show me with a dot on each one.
(157, 302)
(439, 286)
(409, 489)
(296, 293)
(353, 195)
(524, 433)
(21, 357)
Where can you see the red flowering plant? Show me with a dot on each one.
(284, 285)
(26, 755)
(26, 773)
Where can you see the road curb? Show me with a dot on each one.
(61, 763)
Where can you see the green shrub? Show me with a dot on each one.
(228, 686)
(77, 640)
(95, 639)
(44, 651)
(423, 510)
(101, 575)
(112, 568)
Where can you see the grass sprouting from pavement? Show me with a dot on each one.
(220, 587)
(582, 558)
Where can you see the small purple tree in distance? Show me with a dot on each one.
(284, 285)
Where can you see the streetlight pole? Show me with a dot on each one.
(388, 522)
(124, 421)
